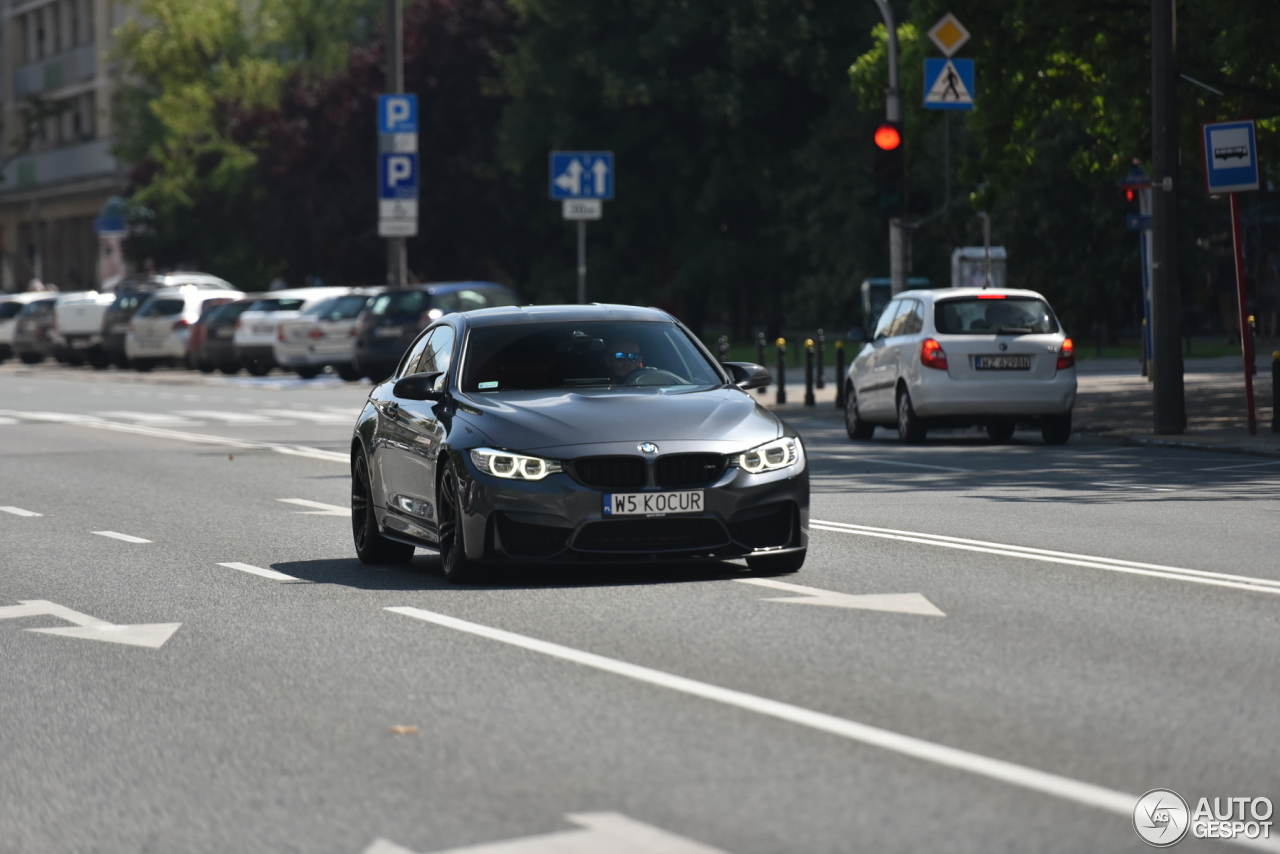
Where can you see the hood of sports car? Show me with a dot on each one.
(719, 418)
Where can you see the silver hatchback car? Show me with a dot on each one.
(963, 356)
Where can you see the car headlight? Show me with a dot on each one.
(770, 456)
(513, 466)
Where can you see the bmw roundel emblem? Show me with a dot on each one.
(648, 448)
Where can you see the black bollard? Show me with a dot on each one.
(782, 371)
(1253, 338)
(840, 401)
(809, 399)
(1275, 392)
(761, 356)
(820, 380)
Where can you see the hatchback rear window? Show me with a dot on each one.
(988, 315)
(401, 302)
(162, 308)
(338, 308)
(10, 309)
(278, 304)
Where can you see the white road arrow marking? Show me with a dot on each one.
(321, 509)
(151, 635)
(598, 833)
(18, 511)
(900, 603)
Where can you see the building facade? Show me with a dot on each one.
(56, 88)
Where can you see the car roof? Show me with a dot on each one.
(947, 293)
(26, 296)
(448, 287)
(204, 293)
(306, 293)
(514, 314)
(200, 280)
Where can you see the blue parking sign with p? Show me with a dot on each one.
(397, 114)
(398, 176)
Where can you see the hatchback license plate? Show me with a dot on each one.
(653, 503)
(1002, 363)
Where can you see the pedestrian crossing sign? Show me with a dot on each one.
(948, 84)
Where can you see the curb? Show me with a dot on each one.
(1130, 439)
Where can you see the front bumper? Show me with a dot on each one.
(560, 520)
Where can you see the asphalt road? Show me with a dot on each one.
(1075, 626)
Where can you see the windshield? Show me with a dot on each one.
(278, 304)
(994, 314)
(591, 354)
(401, 302)
(338, 308)
(10, 309)
(162, 308)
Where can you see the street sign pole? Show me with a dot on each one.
(582, 262)
(1246, 340)
(893, 113)
(581, 181)
(396, 257)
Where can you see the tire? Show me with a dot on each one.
(205, 367)
(258, 367)
(911, 429)
(230, 369)
(1056, 429)
(458, 568)
(308, 373)
(777, 564)
(348, 373)
(31, 358)
(98, 359)
(371, 546)
(1001, 431)
(121, 362)
(143, 366)
(75, 360)
(856, 428)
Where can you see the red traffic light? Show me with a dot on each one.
(1129, 194)
(887, 137)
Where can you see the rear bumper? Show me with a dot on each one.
(255, 353)
(940, 396)
(170, 347)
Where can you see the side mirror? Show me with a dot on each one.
(857, 335)
(747, 376)
(418, 387)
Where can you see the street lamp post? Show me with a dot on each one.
(893, 113)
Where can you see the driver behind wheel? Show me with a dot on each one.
(623, 358)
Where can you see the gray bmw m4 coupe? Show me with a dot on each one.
(553, 434)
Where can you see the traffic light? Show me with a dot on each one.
(890, 165)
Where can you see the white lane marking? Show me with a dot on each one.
(1245, 466)
(155, 418)
(1135, 486)
(883, 461)
(901, 603)
(151, 635)
(320, 509)
(18, 511)
(597, 832)
(117, 536)
(312, 415)
(200, 438)
(5, 421)
(1110, 800)
(230, 417)
(1196, 576)
(56, 417)
(257, 570)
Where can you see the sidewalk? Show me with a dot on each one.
(1115, 402)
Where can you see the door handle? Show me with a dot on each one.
(393, 410)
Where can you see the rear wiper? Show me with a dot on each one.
(1013, 330)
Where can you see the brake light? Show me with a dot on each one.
(991, 296)
(280, 333)
(315, 334)
(181, 324)
(1067, 355)
(932, 355)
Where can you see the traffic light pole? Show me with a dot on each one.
(396, 261)
(1168, 399)
(893, 113)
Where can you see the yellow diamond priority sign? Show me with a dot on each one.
(949, 34)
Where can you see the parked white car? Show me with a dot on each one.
(963, 356)
(158, 331)
(323, 334)
(255, 335)
(77, 323)
(11, 306)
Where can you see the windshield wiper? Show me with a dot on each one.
(1013, 330)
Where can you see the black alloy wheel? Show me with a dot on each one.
(911, 429)
(777, 564)
(1002, 430)
(31, 358)
(348, 373)
(258, 367)
(143, 366)
(458, 568)
(310, 372)
(1056, 429)
(853, 425)
(371, 546)
(229, 368)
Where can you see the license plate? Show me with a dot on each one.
(653, 503)
(1002, 363)
(119, 327)
(223, 333)
(263, 329)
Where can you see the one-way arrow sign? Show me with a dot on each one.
(899, 603)
(151, 635)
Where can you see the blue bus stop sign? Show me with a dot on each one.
(1230, 157)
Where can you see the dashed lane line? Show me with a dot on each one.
(1032, 779)
(118, 536)
(318, 509)
(1136, 486)
(257, 570)
(883, 461)
(18, 511)
(1194, 576)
